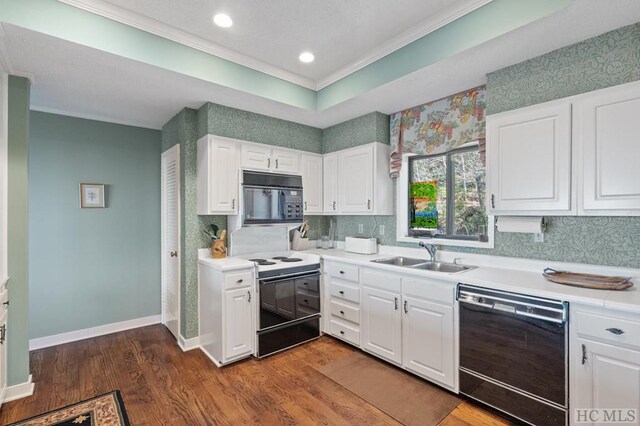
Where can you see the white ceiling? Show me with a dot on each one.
(79, 81)
(270, 35)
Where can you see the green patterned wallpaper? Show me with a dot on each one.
(214, 119)
(186, 128)
(372, 127)
(609, 59)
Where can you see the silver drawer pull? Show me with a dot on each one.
(341, 292)
(341, 332)
(341, 312)
(615, 331)
(342, 272)
(240, 280)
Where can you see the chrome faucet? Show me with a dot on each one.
(431, 248)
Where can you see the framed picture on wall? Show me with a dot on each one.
(91, 196)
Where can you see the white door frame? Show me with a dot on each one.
(174, 149)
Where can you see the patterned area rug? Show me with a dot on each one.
(103, 410)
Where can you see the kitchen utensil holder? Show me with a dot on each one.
(298, 243)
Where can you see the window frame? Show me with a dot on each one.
(402, 208)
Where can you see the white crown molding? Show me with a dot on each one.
(132, 19)
(428, 26)
(20, 390)
(115, 13)
(95, 117)
(87, 333)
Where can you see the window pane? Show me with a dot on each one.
(469, 194)
(428, 193)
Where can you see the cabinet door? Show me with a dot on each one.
(529, 160)
(610, 150)
(223, 177)
(355, 171)
(256, 157)
(285, 161)
(312, 183)
(238, 323)
(381, 323)
(605, 377)
(428, 340)
(330, 183)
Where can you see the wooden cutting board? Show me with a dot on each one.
(601, 282)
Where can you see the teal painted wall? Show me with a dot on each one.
(17, 238)
(91, 267)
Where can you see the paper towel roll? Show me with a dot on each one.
(526, 224)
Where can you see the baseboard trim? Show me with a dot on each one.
(87, 333)
(21, 390)
(188, 344)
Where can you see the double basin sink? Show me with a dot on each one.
(408, 262)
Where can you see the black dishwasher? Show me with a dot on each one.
(513, 353)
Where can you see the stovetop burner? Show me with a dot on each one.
(262, 262)
(280, 258)
(291, 259)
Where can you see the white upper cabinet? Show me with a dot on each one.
(217, 176)
(264, 157)
(364, 185)
(330, 183)
(610, 135)
(529, 160)
(312, 183)
(573, 156)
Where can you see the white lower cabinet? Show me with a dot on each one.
(238, 324)
(226, 313)
(428, 340)
(605, 367)
(406, 320)
(381, 323)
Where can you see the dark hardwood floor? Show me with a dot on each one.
(161, 385)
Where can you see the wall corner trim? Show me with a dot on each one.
(188, 344)
(20, 390)
(73, 336)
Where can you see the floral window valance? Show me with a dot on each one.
(439, 126)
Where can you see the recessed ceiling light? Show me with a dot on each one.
(306, 57)
(222, 20)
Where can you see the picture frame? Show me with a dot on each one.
(92, 196)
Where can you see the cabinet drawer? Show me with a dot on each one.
(608, 328)
(350, 333)
(344, 272)
(425, 288)
(346, 292)
(349, 313)
(378, 279)
(238, 279)
(308, 300)
(309, 284)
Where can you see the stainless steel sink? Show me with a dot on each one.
(400, 261)
(442, 267)
(409, 262)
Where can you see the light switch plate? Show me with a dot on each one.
(360, 228)
(381, 229)
(538, 238)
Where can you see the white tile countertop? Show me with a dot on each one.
(507, 274)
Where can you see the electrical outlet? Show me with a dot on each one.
(360, 228)
(381, 229)
(538, 238)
